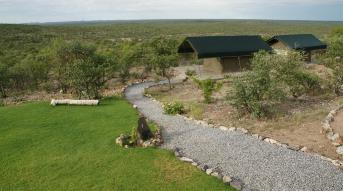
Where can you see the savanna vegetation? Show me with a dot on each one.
(57, 56)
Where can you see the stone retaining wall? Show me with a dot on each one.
(335, 138)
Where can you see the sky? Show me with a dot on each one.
(26, 11)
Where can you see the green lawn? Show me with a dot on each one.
(72, 148)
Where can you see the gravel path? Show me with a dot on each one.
(260, 165)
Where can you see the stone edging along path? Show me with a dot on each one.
(335, 138)
(245, 162)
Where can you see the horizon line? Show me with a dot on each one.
(183, 19)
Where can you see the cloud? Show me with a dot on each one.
(60, 10)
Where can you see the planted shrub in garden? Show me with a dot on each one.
(174, 108)
(208, 87)
(190, 73)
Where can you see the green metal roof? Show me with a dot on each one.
(299, 41)
(223, 46)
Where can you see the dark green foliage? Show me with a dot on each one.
(208, 87)
(174, 108)
(84, 71)
(271, 79)
(25, 49)
(162, 54)
(334, 59)
(126, 56)
(256, 91)
(190, 73)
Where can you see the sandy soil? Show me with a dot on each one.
(337, 125)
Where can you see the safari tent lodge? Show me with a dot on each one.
(222, 54)
(307, 43)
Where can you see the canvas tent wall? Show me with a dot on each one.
(307, 43)
(223, 54)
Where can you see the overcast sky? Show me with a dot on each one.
(22, 11)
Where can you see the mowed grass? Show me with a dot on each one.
(73, 148)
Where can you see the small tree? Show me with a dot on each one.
(125, 56)
(208, 87)
(80, 68)
(334, 61)
(163, 56)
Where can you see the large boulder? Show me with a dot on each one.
(143, 131)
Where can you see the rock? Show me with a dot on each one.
(185, 159)
(205, 167)
(237, 184)
(227, 179)
(147, 144)
(194, 164)
(217, 175)
(284, 145)
(143, 131)
(255, 135)
(232, 129)
(333, 112)
(339, 150)
(330, 117)
(135, 106)
(209, 171)
(336, 163)
(326, 127)
(177, 154)
(242, 130)
(332, 136)
(123, 140)
(335, 144)
(271, 141)
(223, 128)
(293, 147)
(304, 149)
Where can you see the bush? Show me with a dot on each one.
(334, 60)
(255, 93)
(208, 87)
(173, 108)
(190, 73)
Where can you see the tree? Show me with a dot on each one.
(125, 56)
(163, 56)
(80, 68)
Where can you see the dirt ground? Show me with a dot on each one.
(300, 125)
(337, 125)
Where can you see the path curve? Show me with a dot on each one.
(260, 165)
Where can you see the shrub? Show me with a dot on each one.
(173, 108)
(190, 73)
(255, 93)
(208, 87)
(134, 136)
